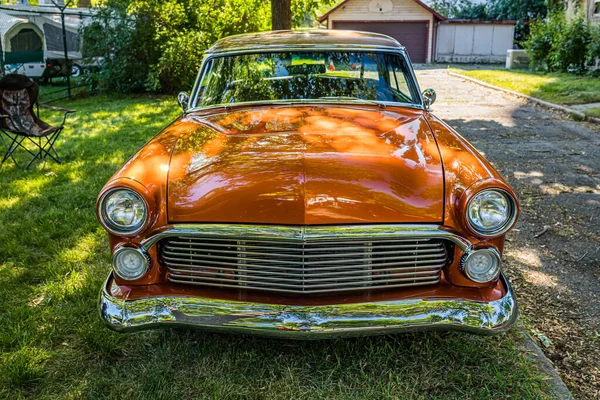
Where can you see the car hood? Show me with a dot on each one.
(306, 165)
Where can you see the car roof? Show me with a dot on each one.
(314, 39)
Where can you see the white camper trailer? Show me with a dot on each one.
(32, 42)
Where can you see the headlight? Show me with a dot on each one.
(491, 212)
(123, 211)
(481, 265)
(130, 263)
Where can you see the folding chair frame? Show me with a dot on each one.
(44, 144)
(8, 153)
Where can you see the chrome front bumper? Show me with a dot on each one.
(310, 322)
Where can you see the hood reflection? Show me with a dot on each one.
(307, 165)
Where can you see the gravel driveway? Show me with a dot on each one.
(553, 254)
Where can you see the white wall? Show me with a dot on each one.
(473, 43)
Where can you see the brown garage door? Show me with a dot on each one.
(412, 35)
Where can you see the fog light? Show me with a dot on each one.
(130, 263)
(481, 265)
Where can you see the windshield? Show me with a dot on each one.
(330, 75)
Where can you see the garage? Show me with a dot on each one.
(411, 22)
(412, 35)
(427, 35)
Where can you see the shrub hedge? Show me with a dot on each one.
(158, 45)
(558, 44)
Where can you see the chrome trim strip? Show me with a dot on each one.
(218, 265)
(294, 276)
(250, 49)
(303, 102)
(334, 287)
(304, 233)
(309, 322)
(411, 265)
(300, 259)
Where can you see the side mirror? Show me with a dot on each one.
(429, 97)
(183, 98)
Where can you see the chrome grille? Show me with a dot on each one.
(303, 265)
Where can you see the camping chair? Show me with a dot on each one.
(18, 95)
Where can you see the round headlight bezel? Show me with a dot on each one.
(464, 263)
(502, 229)
(111, 226)
(115, 258)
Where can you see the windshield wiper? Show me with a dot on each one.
(364, 101)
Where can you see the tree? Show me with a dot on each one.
(520, 10)
(281, 14)
(460, 9)
(470, 10)
(541, 40)
(523, 11)
(571, 46)
(593, 53)
(447, 8)
(306, 12)
(562, 44)
(158, 45)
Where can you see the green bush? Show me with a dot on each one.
(155, 45)
(558, 44)
(158, 45)
(593, 51)
(115, 37)
(178, 64)
(540, 42)
(570, 47)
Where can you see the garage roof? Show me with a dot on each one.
(309, 38)
(425, 6)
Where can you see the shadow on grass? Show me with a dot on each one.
(54, 258)
(404, 366)
(53, 254)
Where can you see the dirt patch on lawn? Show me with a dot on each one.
(553, 255)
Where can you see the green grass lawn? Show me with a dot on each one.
(594, 112)
(54, 257)
(553, 87)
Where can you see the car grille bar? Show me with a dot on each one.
(304, 265)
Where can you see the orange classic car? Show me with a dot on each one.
(307, 191)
